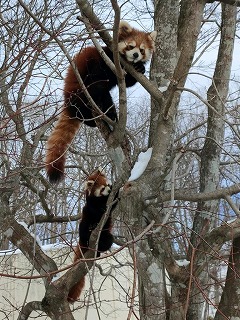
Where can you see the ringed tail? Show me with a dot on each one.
(76, 290)
(58, 144)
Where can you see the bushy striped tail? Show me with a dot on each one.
(76, 290)
(58, 144)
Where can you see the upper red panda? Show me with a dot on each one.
(97, 190)
(136, 47)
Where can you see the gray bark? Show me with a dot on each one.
(229, 306)
(146, 224)
(179, 49)
(210, 155)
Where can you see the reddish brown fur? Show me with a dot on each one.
(66, 127)
(99, 79)
(76, 290)
(58, 144)
(139, 37)
(95, 207)
(99, 179)
(71, 83)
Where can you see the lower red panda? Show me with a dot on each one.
(136, 47)
(97, 190)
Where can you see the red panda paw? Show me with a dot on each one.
(139, 67)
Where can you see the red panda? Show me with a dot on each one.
(97, 190)
(136, 47)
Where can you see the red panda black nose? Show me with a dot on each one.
(135, 55)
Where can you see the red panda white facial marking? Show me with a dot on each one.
(135, 45)
(102, 191)
(135, 52)
(97, 185)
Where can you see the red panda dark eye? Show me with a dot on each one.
(142, 51)
(129, 47)
(102, 189)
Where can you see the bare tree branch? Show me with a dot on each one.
(20, 237)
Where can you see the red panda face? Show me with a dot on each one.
(97, 185)
(135, 51)
(135, 45)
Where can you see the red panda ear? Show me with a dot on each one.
(124, 29)
(100, 170)
(89, 184)
(152, 36)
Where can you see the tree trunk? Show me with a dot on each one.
(229, 306)
(151, 284)
(210, 155)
